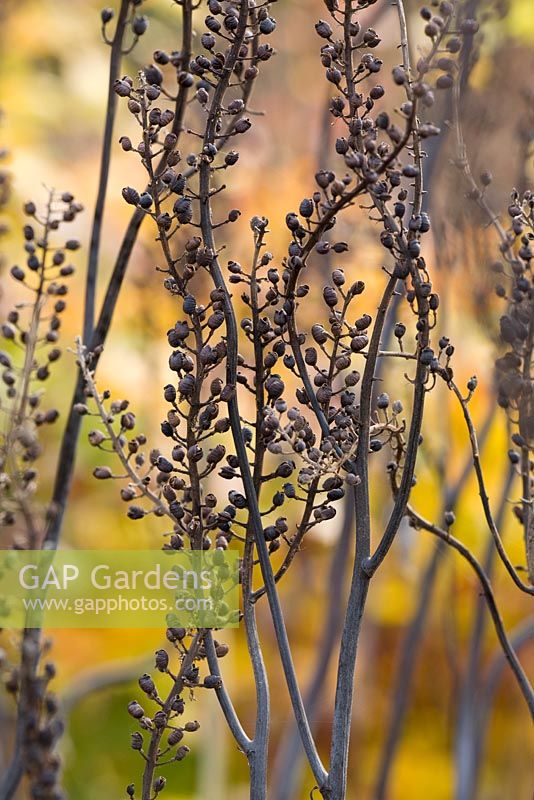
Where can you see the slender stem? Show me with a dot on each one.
(33, 332)
(258, 363)
(373, 562)
(519, 637)
(507, 249)
(259, 756)
(67, 453)
(410, 650)
(515, 665)
(263, 553)
(365, 565)
(18, 413)
(288, 762)
(422, 341)
(30, 645)
(225, 701)
(258, 751)
(526, 481)
(484, 495)
(465, 744)
(360, 579)
(69, 442)
(28, 704)
(111, 111)
(118, 448)
(234, 414)
(157, 733)
(410, 647)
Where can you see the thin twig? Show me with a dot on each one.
(511, 657)
(484, 495)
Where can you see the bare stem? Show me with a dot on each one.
(509, 652)
(115, 62)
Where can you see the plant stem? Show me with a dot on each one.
(157, 733)
(96, 231)
(234, 414)
(515, 665)
(341, 723)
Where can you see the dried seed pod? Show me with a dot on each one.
(358, 343)
(175, 737)
(231, 158)
(169, 393)
(186, 386)
(274, 386)
(216, 454)
(324, 393)
(135, 710)
(164, 465)
(102, 473)
(427, 356)
(176, 635)
(267, 26)
(122, 88)
(338, 277)
(445, 82)
(472, 383)
(147, 684)
(183, 210)
(153, 75)
(181, 753)
(130, 195)
(330, 296)
(17, 273)
(319, 333)
(216, 320)
(139, 25)
(195, 453)
(310, 356)
(212, 682)
(306, 208)
(363, 322)
(449, 518)
(160, 719)
(382, 400)
(161, 660)
(136, 512)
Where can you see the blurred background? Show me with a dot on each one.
(53, 75)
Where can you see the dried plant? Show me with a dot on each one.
(31, 331)
(241, 344)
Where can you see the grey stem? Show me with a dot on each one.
(288, 764)
(235, 417)
(466, 741)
